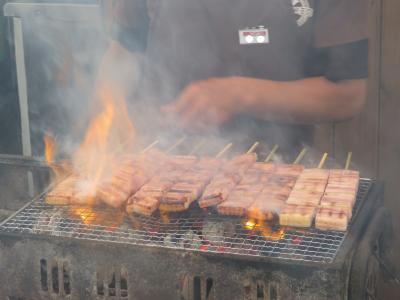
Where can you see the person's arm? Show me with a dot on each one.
(312, 100)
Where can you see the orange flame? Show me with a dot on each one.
(50, 152)
(49, 149)
(88, 216)
(263, 228)
(110, 135)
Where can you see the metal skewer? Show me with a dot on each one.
(150, 146)
(348, 160)
(179, 142)
(300, 157)
(224, 150)
(323, 160)
(272, 153)
(253, 148)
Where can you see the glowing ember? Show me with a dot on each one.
(164, 217)
(267, 231)
(85, 214)
(272, 235)
(89, 216)
(250, 224)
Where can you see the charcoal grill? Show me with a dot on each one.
(61, 252)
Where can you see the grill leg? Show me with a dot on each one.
(365, 268)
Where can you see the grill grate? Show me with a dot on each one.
(194, 231)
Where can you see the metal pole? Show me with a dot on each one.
(23, 96)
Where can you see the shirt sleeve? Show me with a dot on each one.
(340, 48)
(127, 21)
(340, 22)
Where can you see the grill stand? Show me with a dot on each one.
(365, 269)
(43, 267)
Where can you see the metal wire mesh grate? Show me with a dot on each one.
(194, 231)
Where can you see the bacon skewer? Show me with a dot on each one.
(339, 198)
(249, 188)
(129, 174)
(226, 180)
(300, 207)
(274, 194)
(146, 201)
(247, 191)
(130, 177)
(190, 186)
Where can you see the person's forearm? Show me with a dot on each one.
(118, 70)
(309, 100)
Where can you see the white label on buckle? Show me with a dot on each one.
(259, 35)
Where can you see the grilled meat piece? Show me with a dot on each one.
(265, 209)
(331, 219)
(180, 196)
(289, 170)
(215, 194)
(63, 193)
(341, 191)
(155, 193)
(146, 205)
(224, 182)
(246, 193)
(236, 205)
(309, 188)
(296, 215)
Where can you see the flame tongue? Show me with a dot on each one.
(50, 148)
(93, 156)
(110, 135)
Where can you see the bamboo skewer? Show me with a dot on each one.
(323, 160)
(179, 142)
(197, 147)
(253, 148)
(272, 153)
(300, 157)
(348, 160)
(224, 150)
(118, 149)
(150, 146)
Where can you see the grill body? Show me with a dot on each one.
(40, 266)
(41, 269)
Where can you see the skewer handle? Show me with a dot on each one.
(252, 148)
(348, 160)
(272, 153)
(197, 147)
(150, 146)
(323, 160)
(224, 150)
(180, 141)
(300, 157)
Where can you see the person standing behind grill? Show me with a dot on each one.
(265, 69)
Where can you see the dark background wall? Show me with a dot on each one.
(374, 136)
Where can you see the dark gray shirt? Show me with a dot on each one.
(188, 40)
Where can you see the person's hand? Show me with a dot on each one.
(206, 104)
